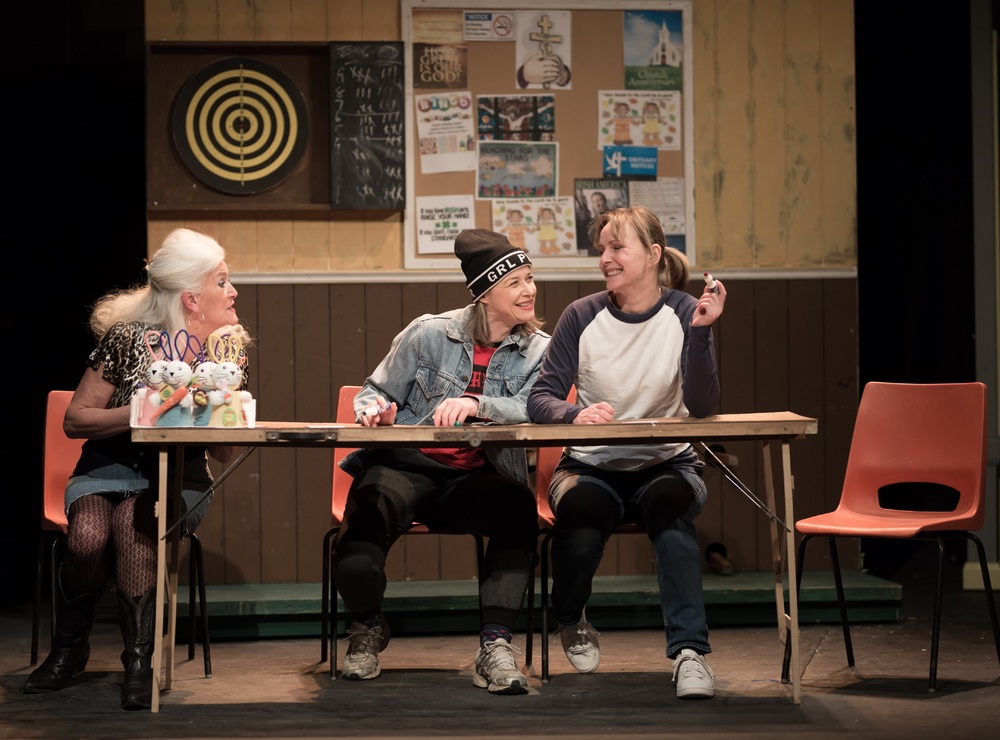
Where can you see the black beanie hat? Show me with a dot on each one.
(486, 257)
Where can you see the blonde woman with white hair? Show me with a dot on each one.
(110, 497)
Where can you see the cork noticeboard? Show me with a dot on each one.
(530, 118)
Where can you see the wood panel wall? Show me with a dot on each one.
(782, 344)
(774, 134)
(775, 188)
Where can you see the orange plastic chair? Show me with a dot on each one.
(59, 458)
(341, 487)
(912, 443)
(60, 454)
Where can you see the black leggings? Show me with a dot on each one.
(387, 498)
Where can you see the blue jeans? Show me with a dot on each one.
(589, 503)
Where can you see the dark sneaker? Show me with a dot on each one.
(364, 645)
(497, 671)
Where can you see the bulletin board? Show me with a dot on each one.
(529, 119)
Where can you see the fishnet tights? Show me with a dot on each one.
(102, 520)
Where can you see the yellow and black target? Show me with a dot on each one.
(240, 126)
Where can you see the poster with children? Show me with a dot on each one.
(542, 227)
(509, 169)
(639, 118)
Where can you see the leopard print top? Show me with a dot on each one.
(125, 358)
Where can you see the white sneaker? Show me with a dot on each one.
(581, 645)
(496, 669)
(693, 677)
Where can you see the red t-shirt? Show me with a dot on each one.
(467, 458)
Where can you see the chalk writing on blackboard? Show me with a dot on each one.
(367, 150)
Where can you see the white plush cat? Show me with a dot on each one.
(175, 407)
(202, 384)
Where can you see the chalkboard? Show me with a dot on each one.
(367, 154)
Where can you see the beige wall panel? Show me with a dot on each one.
(240, 240)
(345, 20)
(733, 143)
(308, 20)
(458, 558)
(839, 204)
(164, 20)
(381, 20)
(272, 20)
(347, 243)
(201, 20)
(706, 157)
(383, 243)
(311, 245)
(767, 125)
(236, 20)
(804, 182)
(274, 244)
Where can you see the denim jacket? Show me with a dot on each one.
(431, 360)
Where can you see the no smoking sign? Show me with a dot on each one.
(488, 26)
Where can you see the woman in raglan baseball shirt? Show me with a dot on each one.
(643, 348)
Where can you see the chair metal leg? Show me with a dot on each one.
(545, 605)
(36, 613)
(325, 598)
(991, 603)
(198, 558)
(57, 543)
(192, 583)
(841, 601)
(936, 623)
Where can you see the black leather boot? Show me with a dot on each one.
(138, 623)
(70, 644)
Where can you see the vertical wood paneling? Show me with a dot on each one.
(236, 20)
(347, 242)
(310, 245)
(774, 177)
(781, 344)
(771, 363)
(803, 198)
(345, 20)
(773, 102)
(381, 20)
(274, 245)
(315, 399)
(767, 126)
(272, 20)
(201, 20)
(732, 142)
(164, 20)
(307, 20)
(277, 536)
(837, 96)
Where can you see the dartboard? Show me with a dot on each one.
(240, 126)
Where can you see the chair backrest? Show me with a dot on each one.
(341, 480)
(60, 456)
(545, 463)
(925, 434)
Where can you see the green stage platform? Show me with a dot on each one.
(252, 611)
